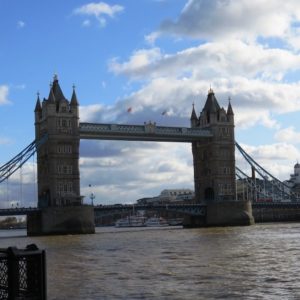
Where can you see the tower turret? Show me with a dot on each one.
(194, 118)
(38, 108)
(230, 114)
(211, 108)
(74, 102)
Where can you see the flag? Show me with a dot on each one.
(164, 112)
(129, 110)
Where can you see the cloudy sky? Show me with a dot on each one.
(153, 56)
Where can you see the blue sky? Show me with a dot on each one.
(151, 55)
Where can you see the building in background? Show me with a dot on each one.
(170, 196)
(294, 181)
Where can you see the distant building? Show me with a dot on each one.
(294, 181)
(176, 195)
(169, 196)
(259, 191)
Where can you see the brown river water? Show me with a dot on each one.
(256, 262)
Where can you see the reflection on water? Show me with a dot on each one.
(256, 262)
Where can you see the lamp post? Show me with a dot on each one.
(92, 197)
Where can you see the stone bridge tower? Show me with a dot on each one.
(214, 159)
(59, 199)
(214, 168)
(58, 158)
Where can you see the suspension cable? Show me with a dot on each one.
(280, 186)
(19, 160)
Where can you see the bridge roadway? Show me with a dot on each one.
(191, 209)
(147, 132)
(18, 211)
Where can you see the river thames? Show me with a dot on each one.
(255, 262)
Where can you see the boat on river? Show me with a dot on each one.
(156, 222)
(131, 221)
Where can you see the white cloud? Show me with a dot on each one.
(100, 11)
(138, 62)
(20, 24)
(242, 19)
(288, 135)
(5, 141)
(233, 58)
(4, 90)
(152, 37)
(19, 86)
(86, 23)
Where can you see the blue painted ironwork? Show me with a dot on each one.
(20, 159)
(147, 132)
(190, 209)
(21, 211)
(271, 187)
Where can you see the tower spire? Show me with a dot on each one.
(38, 106)
(229, 109)
(193, 115)
(51, 97)
(58, 94)
(74, 101)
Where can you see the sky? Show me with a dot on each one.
(153, 56)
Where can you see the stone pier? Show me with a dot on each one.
(230, 213)
(61, 220)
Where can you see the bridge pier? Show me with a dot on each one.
(229, 213)
(61, 220)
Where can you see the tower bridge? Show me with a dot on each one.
(59, 200)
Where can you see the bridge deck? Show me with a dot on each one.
(192, 209)
(146, 132)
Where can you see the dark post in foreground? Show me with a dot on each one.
(23, 273)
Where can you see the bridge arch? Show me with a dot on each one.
(209, 194)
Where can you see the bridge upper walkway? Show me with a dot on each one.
(147, 132)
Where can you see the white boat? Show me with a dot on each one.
(175, 221)
(131, 221)
(156, 222)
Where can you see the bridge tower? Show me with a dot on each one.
(58, 167)
(58, 159)
(214, 166)
(214, 159)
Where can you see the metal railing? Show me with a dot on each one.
(23, 273)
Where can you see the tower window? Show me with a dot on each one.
(64, 148)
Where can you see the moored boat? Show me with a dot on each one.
(131, 221)
(156, 222)
(175, 221)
